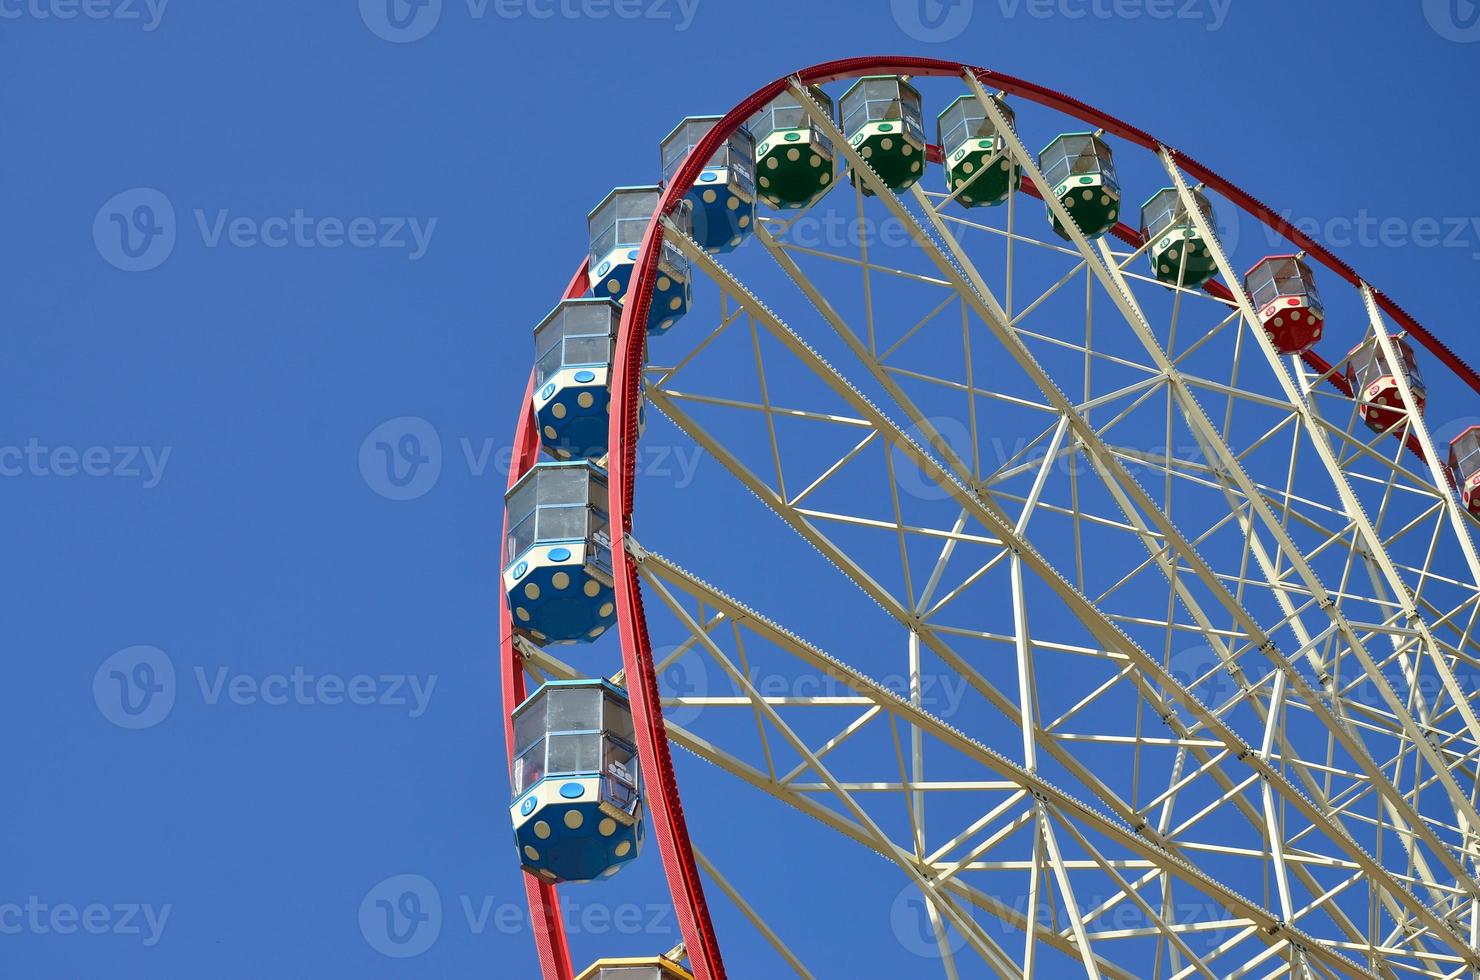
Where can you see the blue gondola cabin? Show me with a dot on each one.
(572, 398)
(617, 225)
(723, 196)
(577, 802)
(558, 571)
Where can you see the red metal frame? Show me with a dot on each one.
(544, 904)
(663, 805)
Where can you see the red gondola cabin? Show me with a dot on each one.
(1375, 384)
(1283, 292)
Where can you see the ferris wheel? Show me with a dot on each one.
(1056, 575)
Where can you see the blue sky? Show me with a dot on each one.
(366, 226)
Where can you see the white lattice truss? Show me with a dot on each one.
(1330, 734)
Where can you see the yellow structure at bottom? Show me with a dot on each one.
(650, 968)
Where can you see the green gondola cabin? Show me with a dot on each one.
(1180, 256)
(794, 159)
(1080, 171)
(979, 170)
(881, 120)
